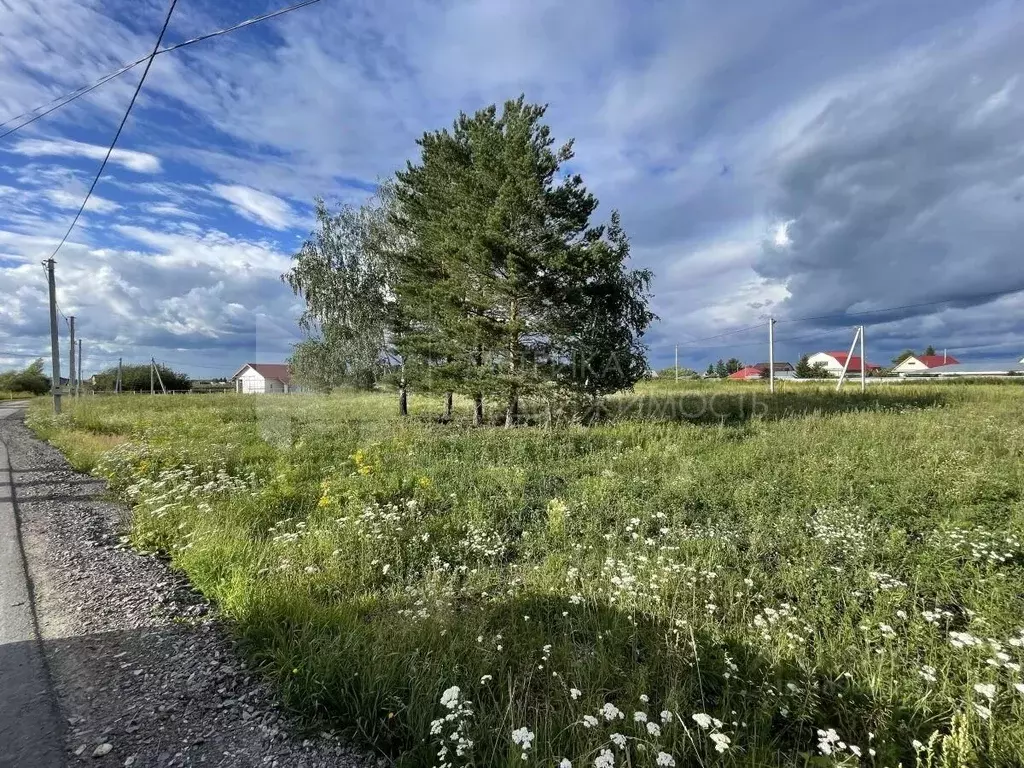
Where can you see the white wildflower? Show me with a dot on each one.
(666, 716)
(988, 690)
(565, 763)
(523, 737)
(721, 741)
(575, 693)
(665, 759)
(450, 698)
(589, 721)
(640, 717)
(604, 760)
(618, 740)
(654, 729)
(703, 720)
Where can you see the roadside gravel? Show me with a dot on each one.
(144, 672)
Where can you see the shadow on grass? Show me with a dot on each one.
(357, 666)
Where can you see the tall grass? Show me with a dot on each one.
(743, 581)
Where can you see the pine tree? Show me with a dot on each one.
(803, 368)
(720, 370)
(503, 279)
(929, 350)
(710, 371)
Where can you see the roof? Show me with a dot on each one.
(854, 361)
(931, 361)
(279, 371)
(746, 373)
(778, 366)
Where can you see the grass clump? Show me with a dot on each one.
(747, 581)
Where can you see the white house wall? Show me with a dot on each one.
(252, 383)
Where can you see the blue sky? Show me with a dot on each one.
(793, 158)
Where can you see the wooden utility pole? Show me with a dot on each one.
(159, 378)
(54, 343)
(152, 367)
(117, 381)
(71, 358)
(771, 355)
(78, 379)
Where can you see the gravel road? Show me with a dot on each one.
(141, 670)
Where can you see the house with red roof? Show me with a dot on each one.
(264, 379)
(914, 363)
(834, 362)
(745, 374)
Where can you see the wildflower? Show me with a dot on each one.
(665, 759)
(855, 750)
(643, 698)
(988, 690)
(450, 698)
(640, 717)
(703, 720)
(618, 740)
(826, 740)
(523, 737)
(918, 746)
(1019, 687)
(654, 729)
(611, 712)
(485, 679)
(575, 693)
(983, 712)
(604, 760)
(721, 742)
(565, 763)
(928, 673)
(589, 721)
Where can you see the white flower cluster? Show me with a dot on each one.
(981, 544)
(452, 728)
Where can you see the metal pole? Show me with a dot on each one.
(853, 346)
(78, 379)
(71, 358)
(677, 362)
(771, 355)
(54, 344)
(863, 363)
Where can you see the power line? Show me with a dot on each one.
(71, 96)
(120, 128)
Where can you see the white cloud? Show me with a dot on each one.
(140, 162)
(170, 210)
(70, 200)
(261, 207)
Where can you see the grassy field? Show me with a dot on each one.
(703, 576)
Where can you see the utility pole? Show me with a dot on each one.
(863, 363)
(78, 379)
(152, 367)
(677, 362)
(117, 381)
(771, 355)
(846, 365)
(159, 378)
(71, 358)
(54, 344)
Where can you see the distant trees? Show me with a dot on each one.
(477, 271)
(902, 356)
(929, 350)
(135, 378)
(30, 379)
(804, 370)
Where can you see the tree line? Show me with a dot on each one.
(477, 269)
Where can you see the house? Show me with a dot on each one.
(264, 378)
(834, 361)
(779, 367)
(746, 374)
(923, 362)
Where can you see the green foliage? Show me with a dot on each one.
(503, 285)
(902, 356)
(929, 350)
(804, 370)
(30, 380)
(794, 564)
(342, 273)
(136, 378)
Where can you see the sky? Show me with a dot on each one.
(793, 159)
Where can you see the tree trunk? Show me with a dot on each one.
(512, 409)
(403, 398)
(448, 406)
(478, 410)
